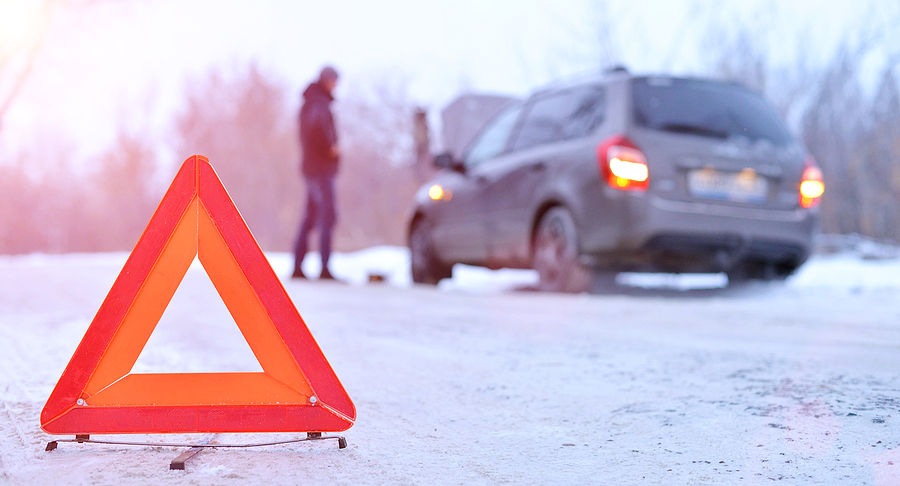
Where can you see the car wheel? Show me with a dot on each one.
(426, 268)
(556, 254)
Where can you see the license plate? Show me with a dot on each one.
(744, 186)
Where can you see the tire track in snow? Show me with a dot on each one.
(16, 371)
(18, 450)
(20, 403)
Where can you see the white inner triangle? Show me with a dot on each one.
(196, 333)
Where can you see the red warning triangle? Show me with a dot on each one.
(297, 390)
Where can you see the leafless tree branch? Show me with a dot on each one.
(31, 53)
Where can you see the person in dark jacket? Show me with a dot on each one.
(319, 163)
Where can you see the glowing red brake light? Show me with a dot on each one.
(811, 185)
(622, 164)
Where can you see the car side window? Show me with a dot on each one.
(564, 115)
(491, 142)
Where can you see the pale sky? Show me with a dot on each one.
(127, 61)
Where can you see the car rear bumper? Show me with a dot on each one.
(661, 234)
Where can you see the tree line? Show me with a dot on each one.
(853, 136)
(246, 124)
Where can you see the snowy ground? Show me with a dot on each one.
(473, 383)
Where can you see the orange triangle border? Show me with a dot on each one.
(69, 409)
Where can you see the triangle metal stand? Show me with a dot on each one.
(179, 462)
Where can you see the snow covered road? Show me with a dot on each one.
(468, 384)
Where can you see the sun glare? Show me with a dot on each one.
(19, 22)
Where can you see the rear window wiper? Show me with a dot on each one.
(692, 129)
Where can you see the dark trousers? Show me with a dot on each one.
(320, 211)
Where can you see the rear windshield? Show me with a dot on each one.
(707, 109)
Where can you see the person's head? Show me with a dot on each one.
(328, 78)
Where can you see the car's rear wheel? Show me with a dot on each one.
(556, 254)
(426, 268)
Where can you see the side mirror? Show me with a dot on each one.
(446, 160)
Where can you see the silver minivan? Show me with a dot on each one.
(623, 173)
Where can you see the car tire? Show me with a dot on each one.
(556, 254)
(425, 266)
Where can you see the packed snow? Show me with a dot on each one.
(661, 379)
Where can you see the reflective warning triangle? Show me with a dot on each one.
(297, 390)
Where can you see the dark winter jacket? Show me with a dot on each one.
(317, 133)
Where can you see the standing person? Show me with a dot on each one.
(319, 163)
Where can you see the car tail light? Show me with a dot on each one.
(811, 185)
(622, 164)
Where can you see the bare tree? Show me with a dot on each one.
(123, 192)
(740, 59)
(51, 206)
(17, 57)
(245, 126)
(378, 175)
(879, 149)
